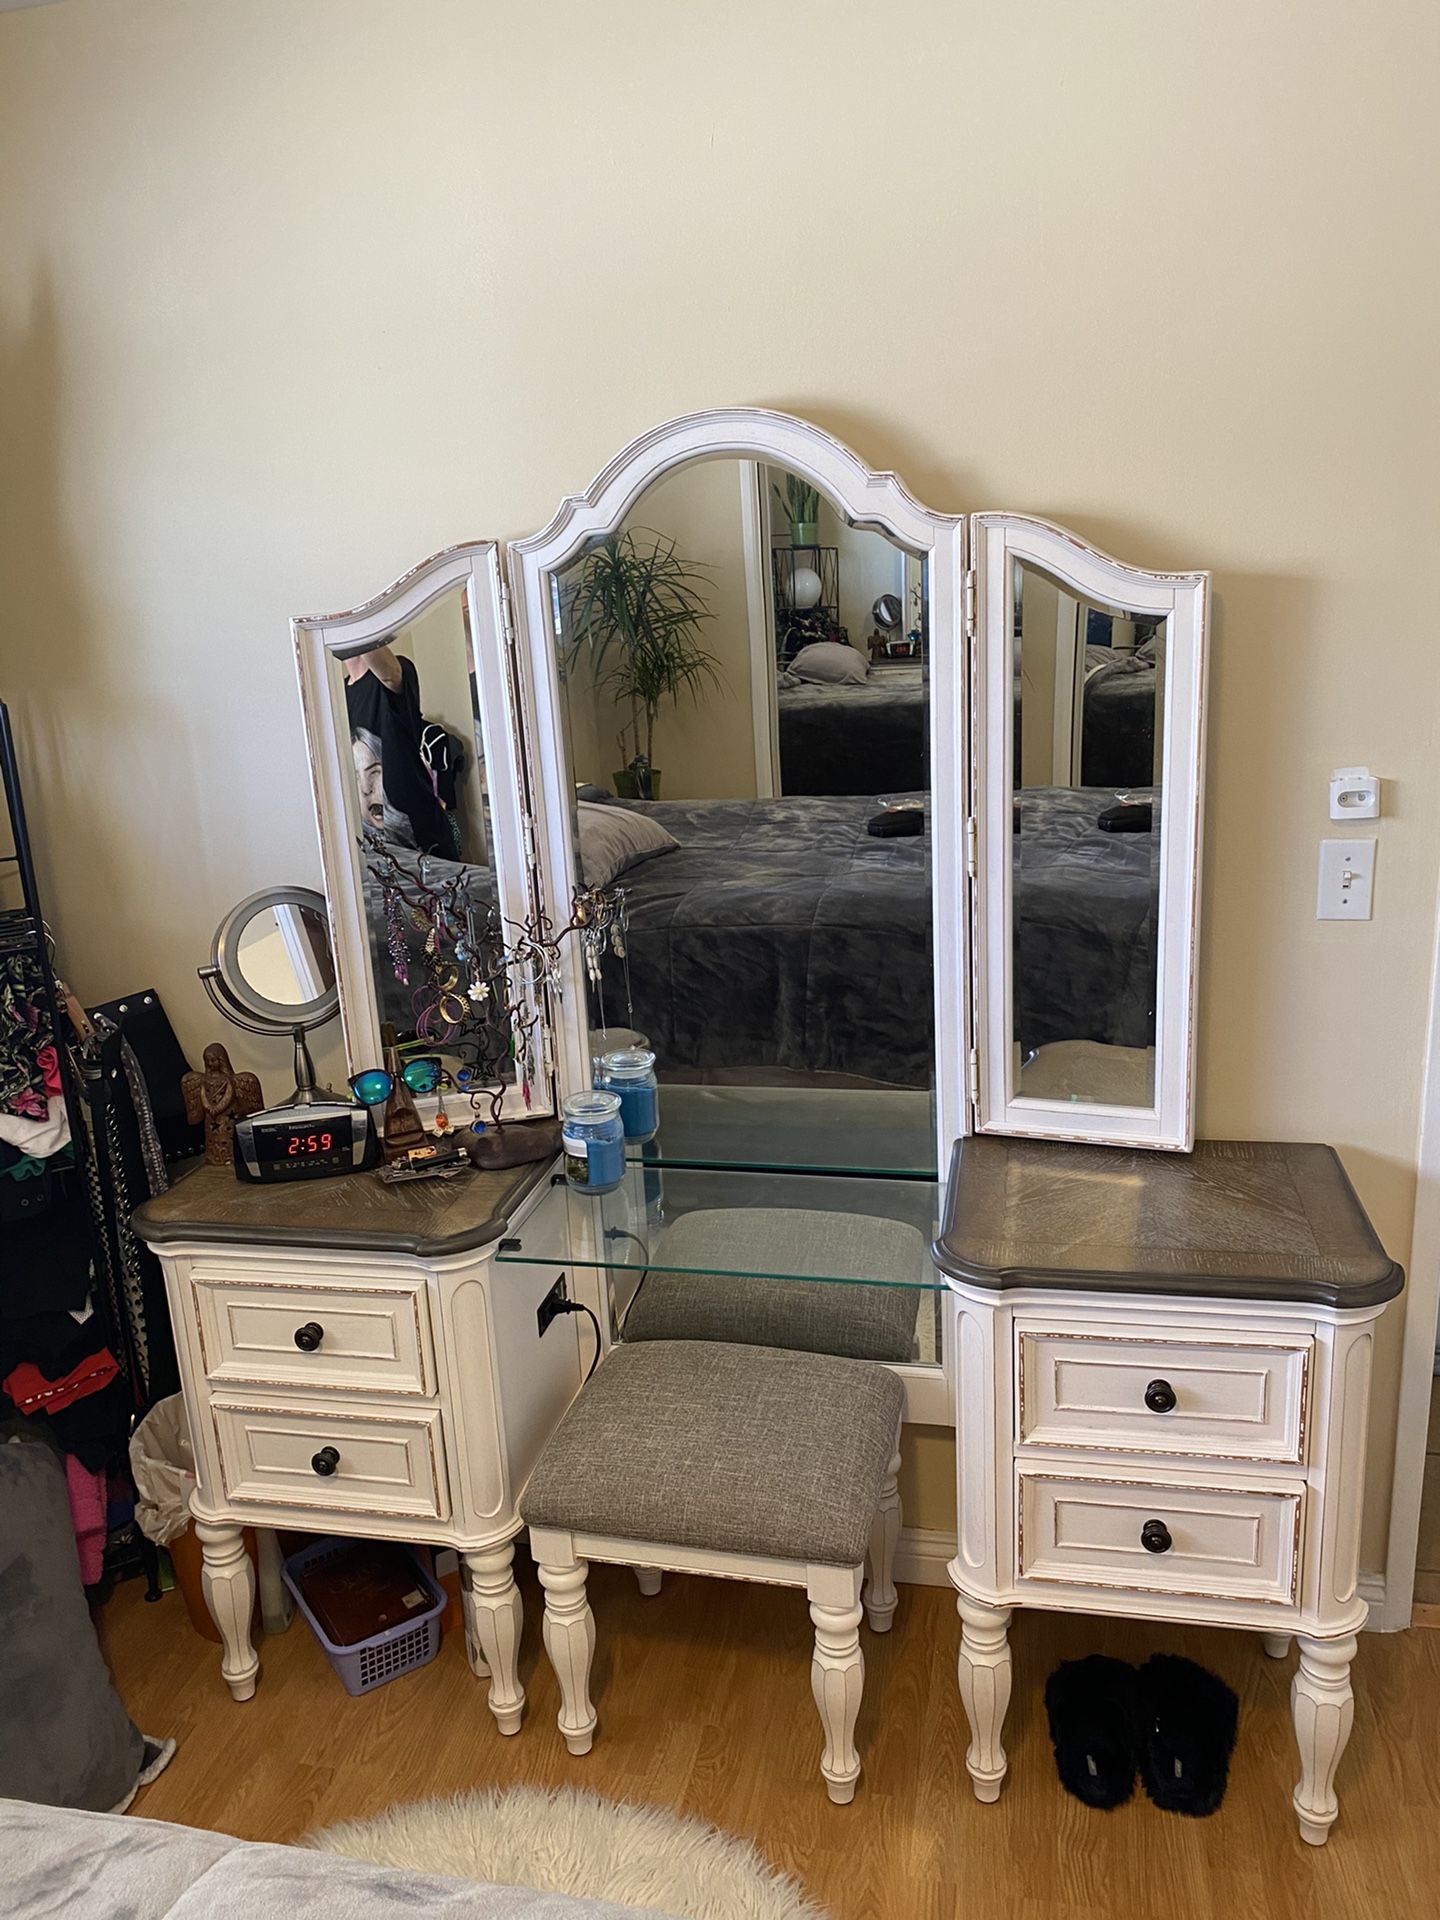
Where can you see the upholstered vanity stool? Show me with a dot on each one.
(1162, 1390)
(354, 1360)
(741, 1461)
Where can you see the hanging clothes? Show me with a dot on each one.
(29, 1069)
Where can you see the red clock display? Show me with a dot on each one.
(303, 1144)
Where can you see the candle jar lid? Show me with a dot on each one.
(630, 1063)
(592, 1106)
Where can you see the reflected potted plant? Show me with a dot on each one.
(800, 503)
(638, 608)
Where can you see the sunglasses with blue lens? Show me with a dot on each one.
(374, 1084)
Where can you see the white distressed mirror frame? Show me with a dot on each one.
(475, 568)
(998, 540)
(869, 498)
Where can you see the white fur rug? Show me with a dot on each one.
(571, 1841)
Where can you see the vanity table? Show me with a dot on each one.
(354, 1362)
(1161, 1396)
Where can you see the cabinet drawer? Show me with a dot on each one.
(1220, 1398)
(345, 1336)
(1229, 1543)
(386, 1461)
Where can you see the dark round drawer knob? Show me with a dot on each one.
(308, 1337)
(327, 1459)
(1154, 1536)
(1159, 1395)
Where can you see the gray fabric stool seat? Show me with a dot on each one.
(748, 1462)
(858, 1320)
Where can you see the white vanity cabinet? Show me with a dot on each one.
(354, 1361)
(1162, 1394)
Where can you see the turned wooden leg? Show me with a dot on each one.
(229, 1583)
(880, 1594)
(1323, 1707)
(494, 1616)
(570, 1643)
(1277, 1645)
(277, 1609)
(837, 1679)
(985, 1691)
(648, 1580)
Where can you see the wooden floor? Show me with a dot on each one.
(704, 1703)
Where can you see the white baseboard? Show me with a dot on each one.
(921, 1559)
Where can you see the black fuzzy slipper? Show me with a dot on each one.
(1091, 1707)
(1188, 1719)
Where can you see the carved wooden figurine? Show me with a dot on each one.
(219, 1096)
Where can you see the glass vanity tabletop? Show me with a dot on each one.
(726, 1223)
(885, 1132)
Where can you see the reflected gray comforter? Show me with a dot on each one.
(837, 739)
(781, 935)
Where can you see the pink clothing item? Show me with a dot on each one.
(88, 1507)
(48, 1062)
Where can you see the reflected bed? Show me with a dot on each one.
(780, 935)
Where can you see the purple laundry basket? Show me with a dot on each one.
(385, 1655)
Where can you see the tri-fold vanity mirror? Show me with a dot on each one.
(877, 826)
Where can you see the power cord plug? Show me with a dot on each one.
(579, 1306)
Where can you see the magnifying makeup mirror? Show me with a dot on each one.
(271, 971)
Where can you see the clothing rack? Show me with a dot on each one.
(23, 928)
(23, 931)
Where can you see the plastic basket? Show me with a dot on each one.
(385, 1655)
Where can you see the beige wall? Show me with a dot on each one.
(704, 746)
(293, 292)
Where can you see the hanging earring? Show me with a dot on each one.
(395, 932)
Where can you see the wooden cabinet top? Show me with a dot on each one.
(359, 1211)
(1235, 1219)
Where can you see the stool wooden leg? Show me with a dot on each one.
(648, 1580)
(880, 1595)
(837, 1678)
(570, 1643)
(494, 1616)
(985, 1691)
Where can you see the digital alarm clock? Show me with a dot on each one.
(310, 1142)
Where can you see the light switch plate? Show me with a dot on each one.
(1347, 880)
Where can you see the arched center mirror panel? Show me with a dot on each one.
(751, 745)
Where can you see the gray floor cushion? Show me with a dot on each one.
(737, 1448)
(856, 1321)
(66, 1738)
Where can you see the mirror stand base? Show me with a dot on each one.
(306, 1093)
(513, 1145)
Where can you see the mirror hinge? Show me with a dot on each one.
(974, 1076)
(970, 603)
(972, 858)
(505, 614)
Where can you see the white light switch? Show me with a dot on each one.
(1347, 880)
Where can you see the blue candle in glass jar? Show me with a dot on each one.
(630, 1076)
(592, 1138)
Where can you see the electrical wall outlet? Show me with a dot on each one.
(550, 1307)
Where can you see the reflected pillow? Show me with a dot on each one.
(613, 839)
(830, 663)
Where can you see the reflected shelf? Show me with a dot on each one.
(741, 1225)
(883, 1133)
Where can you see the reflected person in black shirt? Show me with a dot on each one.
(382, 699)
